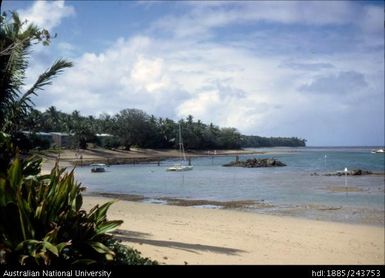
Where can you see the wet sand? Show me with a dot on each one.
(343, 214)
(180, 235)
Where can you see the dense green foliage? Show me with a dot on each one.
(126, 255)
(41, 217)
(133, 127)
(41, 220)
(257, 141)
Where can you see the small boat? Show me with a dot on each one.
(180, 168)
(182, 165)
(378, 151)
(98, 168)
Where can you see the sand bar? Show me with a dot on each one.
(179, 235)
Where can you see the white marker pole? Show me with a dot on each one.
(346, 181)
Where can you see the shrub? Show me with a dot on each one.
(41, 220)
(43, 224)
(126, 255)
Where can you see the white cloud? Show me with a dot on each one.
(149, 74)
(204, 17)
(254, 93)
(343, 83)
(47, 14)
(236, 83)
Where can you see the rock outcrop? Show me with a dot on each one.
(256, 163)
(355, 172)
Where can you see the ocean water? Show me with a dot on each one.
(290, 190)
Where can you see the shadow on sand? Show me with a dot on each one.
(142, 238)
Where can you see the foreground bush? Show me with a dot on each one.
(41, 220)
(127, 256)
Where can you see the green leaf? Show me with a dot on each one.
(62, 245)
(77, 202)
(109, 257)
(38, 211)
(51, 248)
(51, 235)
(84, 262)
(5, 196)
(108, 227)
(101, 248)
(99, 214)
(31, 242)
(15, 174)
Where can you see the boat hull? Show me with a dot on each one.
(179, 168)
(98, 170)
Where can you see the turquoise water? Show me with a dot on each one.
(287, 190)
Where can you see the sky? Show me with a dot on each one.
(309, 69)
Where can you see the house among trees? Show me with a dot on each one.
(58, 139)
(63, 139)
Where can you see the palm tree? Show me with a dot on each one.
(16, 40)
(53, 117)
(34, 122)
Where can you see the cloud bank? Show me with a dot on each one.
(47, 14)
(310, 70)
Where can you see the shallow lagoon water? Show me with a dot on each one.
(290, 190)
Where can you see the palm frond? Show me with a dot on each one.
(46, 78)
(24, 104)
(16, 39)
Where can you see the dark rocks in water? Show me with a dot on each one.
(256, 163)
(354, 172)
(359, 172)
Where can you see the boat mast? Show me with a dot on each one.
(181, 148)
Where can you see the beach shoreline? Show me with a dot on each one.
(180, 235)
(70, 158)
(311, 211)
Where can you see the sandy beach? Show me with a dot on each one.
(185, 235)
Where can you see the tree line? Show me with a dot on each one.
(133, 127)
(258, 141)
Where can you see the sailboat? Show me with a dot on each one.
(182, 165)
(378, 151)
